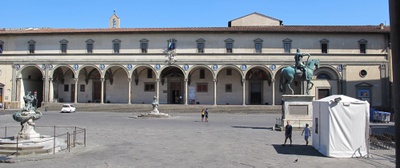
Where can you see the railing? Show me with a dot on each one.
(382, 148)
(78, 135)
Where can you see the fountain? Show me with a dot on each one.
(28, 141)
(154, 113)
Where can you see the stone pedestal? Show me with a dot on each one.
(297, 109)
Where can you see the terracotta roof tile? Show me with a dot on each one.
(250, 29)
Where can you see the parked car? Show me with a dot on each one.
(68, 108)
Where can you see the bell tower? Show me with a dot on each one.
(114, 21)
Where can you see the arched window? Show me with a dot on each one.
(324, 76)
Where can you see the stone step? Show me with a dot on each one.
(11, 149)
(167, 108)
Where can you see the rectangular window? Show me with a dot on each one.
(89, 48)
(149, 73)
(228, 87)
(66, 88)
(143, 47)
(202, 74)
(363, 48)
(31, 48)
(202, 87)
(116, 48)
(63, 48)
(82, 88)
(286, 47)
(229, 47)
(149, 87)
(324, 48)
(258, 47)
(1, 48)
(229, 72)
(200, 47)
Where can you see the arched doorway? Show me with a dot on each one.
(173, 78)
(258, 80)
(32, 81)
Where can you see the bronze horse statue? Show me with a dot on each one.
(289, 73)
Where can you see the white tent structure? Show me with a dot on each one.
(341, 126)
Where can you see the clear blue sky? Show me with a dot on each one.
(187, 13)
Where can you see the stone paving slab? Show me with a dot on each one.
(227, 140)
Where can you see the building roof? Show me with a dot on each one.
(242, 29)
(255, 13)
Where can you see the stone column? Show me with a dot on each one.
(273, 91)
(186, 91)
(46, 85)
(14, 84)
(129, 90)
(76, 90)
(18, 90)
(344, 86)
(102, 91)
(158, 89)
(215, 92)
(244, 92)
(51, 90)
(384, 85)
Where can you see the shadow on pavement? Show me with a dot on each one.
(297, 150)
(251, 127)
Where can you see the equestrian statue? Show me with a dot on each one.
(301, 71)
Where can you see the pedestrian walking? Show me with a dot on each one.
(288, 133)
(202, 115)
(307, 133)
(206, 114)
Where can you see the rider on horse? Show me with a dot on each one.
(299, 63)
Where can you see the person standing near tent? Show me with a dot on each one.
(307, 133)
(288, 133)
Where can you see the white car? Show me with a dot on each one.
(68, 108)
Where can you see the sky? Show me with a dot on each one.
(187, 13)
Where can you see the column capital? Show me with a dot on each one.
(76, 79)
(129, 79)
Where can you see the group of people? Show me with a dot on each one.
(288, 133)
(204, 115)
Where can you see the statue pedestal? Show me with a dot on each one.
(28, 130)
(297, 109)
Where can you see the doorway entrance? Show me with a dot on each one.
(256, 92)
(96, 91)
(175, 92)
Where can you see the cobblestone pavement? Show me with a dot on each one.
(227, 140)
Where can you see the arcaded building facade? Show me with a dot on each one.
(237, 65)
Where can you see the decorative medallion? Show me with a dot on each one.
(273, 67)
(51, 67)
(129, 66)
(17, 66)
(157, 67)
(340, 67)
(76, 66)
(186, 67)
(44, 66)
(102, 66)
(214, 67)
(243, 67)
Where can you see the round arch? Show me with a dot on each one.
(329, 70)
(32, 81)
(120, 67)
(195, 67)
(19, 75)
(228, 66)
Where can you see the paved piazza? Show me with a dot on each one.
(227, 140)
